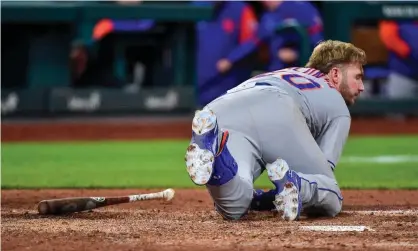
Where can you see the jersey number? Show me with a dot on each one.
(300, 82)
(296, 80)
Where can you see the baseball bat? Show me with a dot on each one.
(79, 204)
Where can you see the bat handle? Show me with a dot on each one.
(167, 194)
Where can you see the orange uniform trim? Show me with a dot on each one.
(248, 25)
(389, 34)
(225, 136)
(102, 28)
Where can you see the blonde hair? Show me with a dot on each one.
(332, 53)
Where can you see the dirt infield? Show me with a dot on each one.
(189, 222)
(132, 129)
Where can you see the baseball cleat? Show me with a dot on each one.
(287, 183)
(208, 143)
(206, 132)
(199, 164)
(204, 121)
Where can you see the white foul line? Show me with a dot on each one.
(383, 159)
(372, 213)
(409, 212)
(333, 228)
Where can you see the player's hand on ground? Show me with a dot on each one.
(287, 55)
(223, 65)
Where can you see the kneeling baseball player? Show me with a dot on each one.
(293, 123)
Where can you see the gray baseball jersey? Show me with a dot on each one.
(323, 107)
(291, 114)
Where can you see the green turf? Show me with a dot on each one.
(380, 175)
(161, 164)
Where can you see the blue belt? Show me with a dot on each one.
(262, 84)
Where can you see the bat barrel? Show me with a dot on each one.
(72, 205)
(43, 208)
(46, 207)
(69, 205)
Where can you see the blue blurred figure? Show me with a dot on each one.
(283, 48)
(234, 23)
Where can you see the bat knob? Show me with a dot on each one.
(169, 194)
